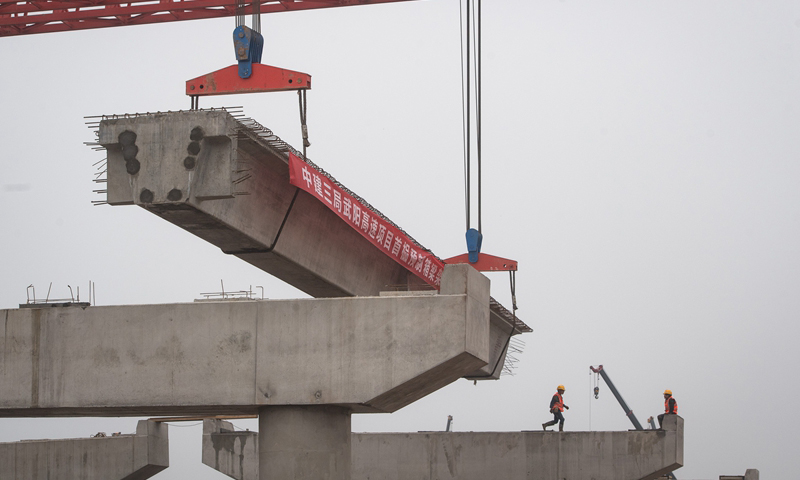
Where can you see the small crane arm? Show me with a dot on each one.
(599, 370)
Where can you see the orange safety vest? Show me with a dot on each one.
(560, 403)
(666, 405)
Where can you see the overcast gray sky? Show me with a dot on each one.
(641, 162)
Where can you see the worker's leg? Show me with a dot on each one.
(661, 421)
(548, 424)
(551, 422)
(560, 419)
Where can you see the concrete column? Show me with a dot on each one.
(302, 442)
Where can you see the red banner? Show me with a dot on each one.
(388, 238)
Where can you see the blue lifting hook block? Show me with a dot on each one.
(248, 45)
(474, 239)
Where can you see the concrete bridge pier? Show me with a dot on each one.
(298, 442)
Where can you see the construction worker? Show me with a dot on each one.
(670, 407)
(556, 407)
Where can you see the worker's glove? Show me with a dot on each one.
(566, 407)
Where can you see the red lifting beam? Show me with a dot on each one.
(264, 78)
(486, 263)
(43, 16)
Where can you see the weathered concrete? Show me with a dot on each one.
(233, 453)
(296, 443)
(631, 455)
(275, 226)
(126, 457)
(370, 354)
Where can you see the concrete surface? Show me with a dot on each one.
(296, 443)
(237, 196)
(125, 457)
(631, 455)
(233, 453)
(304, 442)
(370, 354)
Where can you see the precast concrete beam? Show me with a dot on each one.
(631, 455)
(124, 457)
(369, 354)
(211, 175)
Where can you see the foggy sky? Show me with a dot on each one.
(641, 162)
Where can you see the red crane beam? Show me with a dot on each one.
(24, 18)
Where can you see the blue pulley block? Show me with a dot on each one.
(474, 239)
(248, 45)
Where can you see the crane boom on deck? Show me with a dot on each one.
(599, 370)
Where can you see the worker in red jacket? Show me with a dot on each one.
(670, 407)
(556, 407)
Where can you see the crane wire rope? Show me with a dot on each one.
(476, 51)
(465, 130)
(463, 112)
(590, 401)
(256, 18)
(301, 96)
(239, 13)
(470, 32)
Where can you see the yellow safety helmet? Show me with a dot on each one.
(561, 387)
(667, 392)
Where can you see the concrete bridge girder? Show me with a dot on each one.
(208, 174)
(369, 354)
(631, 455)
(125, 457)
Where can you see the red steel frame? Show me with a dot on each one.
(486, 263)
(265, 78)
(24, 18)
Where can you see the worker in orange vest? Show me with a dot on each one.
(670, 407)
(556, 407)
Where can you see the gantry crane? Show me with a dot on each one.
(43, 16)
